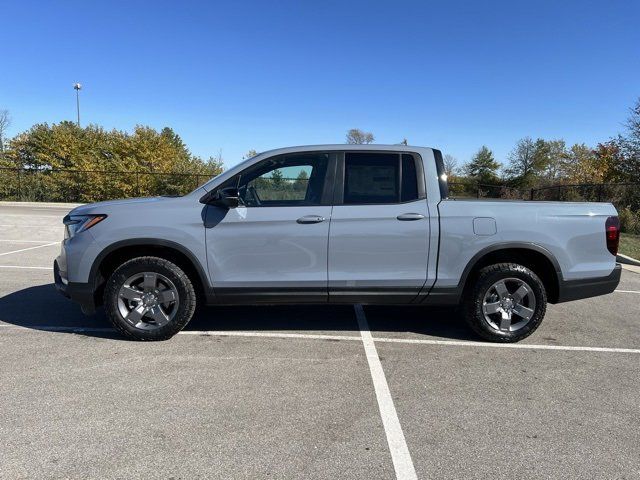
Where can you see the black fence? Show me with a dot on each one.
(481, 190)
(83, 186)
(624, 196)
(620, 194)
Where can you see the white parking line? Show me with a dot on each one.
(57, 328)
(26, 268)
(40, 205)
(28, 241)
(22, 215)
(27, 249)
(400, 455)
(312, 336)
(450, 343)
(12, 225)
(522, 346)
(626, 291)
(309, 336)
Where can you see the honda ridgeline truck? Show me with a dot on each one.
(368, 224)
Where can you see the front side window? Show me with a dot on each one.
(287, 180)
(371, 178)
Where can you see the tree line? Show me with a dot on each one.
(610, 171)
(543, 162)
(63, 162)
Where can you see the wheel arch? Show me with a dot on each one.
(535, 257)
(117, 253)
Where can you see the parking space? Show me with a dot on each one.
(501, 413)
(195, 407)
(300, 392)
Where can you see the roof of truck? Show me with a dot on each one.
(308, 148)
(343, 146)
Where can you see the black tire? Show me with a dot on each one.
(164, 269)
(473, 306)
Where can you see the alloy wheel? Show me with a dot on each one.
(148, 300)
(509, 304)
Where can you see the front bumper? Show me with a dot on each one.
(589, 287)
(81, 293)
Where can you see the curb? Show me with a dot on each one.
(627, 260)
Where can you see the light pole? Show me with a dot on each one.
(77, 87)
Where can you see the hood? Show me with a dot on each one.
(105, 207)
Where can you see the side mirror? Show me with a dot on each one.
(226, 197)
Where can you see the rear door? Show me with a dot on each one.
(274, 245)
(379, 235)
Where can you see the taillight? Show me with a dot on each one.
(612, 231)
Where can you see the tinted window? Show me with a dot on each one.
(371, 178)
(378, 178)
(409, 189)
(287, 180)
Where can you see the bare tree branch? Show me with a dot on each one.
(450, 165)
(355, 136)
(5, 123)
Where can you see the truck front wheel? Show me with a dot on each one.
(149, 298)
(506, 303)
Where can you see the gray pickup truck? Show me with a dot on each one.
(368, 224)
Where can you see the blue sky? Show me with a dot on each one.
(234, 76)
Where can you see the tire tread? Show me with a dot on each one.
(167, 331)
(472, 303)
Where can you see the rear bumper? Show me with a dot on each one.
(589, 287)
(81, 293)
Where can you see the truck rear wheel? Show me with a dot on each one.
(149, 298)
(507, 303)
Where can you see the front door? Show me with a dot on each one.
(379, 239)
(274, 245)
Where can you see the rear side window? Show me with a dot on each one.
(371, 178)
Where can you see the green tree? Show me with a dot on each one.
(301, 181)
(556, 152)
(63, 162)
(173, 139)
(211, 167)
(628, 144)
(528, 161)
(250, 154)
(483, 167)
(277, 179)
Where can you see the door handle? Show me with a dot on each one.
(310, 219)
(408, 217)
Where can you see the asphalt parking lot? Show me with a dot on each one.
(307, 392)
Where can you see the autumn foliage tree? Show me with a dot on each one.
(63, 162)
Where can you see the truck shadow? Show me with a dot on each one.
(43, 308)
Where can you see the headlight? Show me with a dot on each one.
(74, 224)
